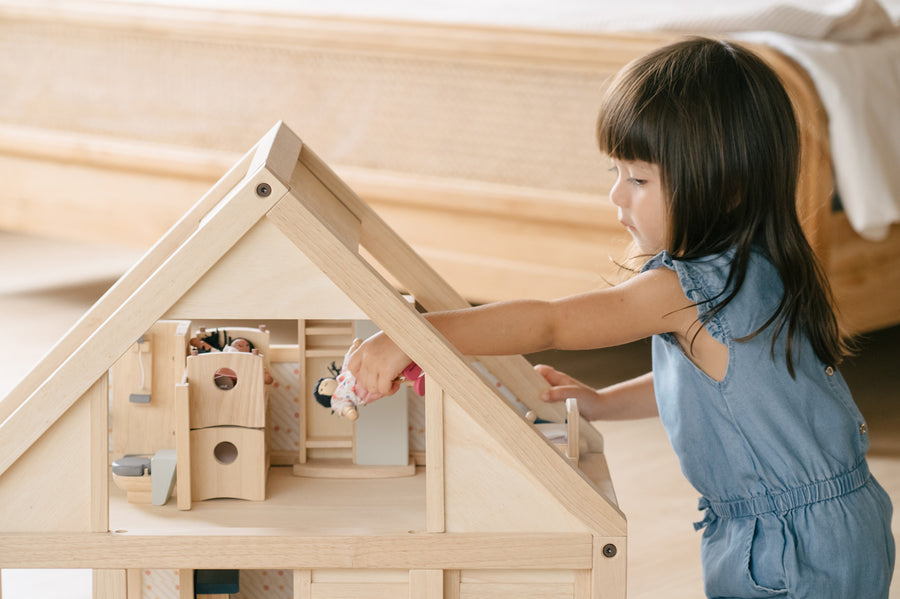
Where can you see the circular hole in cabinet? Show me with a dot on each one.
(225, 379)
(225, 452)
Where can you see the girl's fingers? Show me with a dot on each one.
(561, 393)
(553, 376)
(562, 386)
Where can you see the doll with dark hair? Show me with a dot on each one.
(338, 391)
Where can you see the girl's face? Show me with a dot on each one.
(638, 195)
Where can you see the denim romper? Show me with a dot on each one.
(790, 509)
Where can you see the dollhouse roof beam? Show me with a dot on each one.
(508, 551)
(116, 295)
(220, 229)
(430, 289)
(312, 234)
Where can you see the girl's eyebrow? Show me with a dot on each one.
(637, 166)
(642, 164)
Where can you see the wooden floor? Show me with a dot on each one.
(46, 285)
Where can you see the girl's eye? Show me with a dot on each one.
(637, 182)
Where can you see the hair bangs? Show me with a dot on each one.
(626, 127)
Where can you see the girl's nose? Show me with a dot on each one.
(617, 194)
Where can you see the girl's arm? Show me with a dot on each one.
(647, 304)
(628, 400)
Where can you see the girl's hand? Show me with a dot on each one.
(628, 400)
(376, 363)
(563, 386)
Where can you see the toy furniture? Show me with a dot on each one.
(146, 480)
(496, 510)
(132, 475)
(220, 421)
(220, 429)
(162, 471)
(335, 446)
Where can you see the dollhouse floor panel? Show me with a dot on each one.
(293, 504)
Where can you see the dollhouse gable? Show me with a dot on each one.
(281, 208)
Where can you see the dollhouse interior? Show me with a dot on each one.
(193, 442)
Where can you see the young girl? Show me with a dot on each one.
(702, 137)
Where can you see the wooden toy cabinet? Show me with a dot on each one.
(496, 511)
(222, 440)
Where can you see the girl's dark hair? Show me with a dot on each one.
(720, 126)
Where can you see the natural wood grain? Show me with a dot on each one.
(508, 551)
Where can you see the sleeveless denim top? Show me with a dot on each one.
(759, 440)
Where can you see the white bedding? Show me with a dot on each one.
(859, 85)
(806, 18)
(851, 49)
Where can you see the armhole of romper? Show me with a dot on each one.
(707, 355)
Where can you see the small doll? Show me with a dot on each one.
(337, 391)
(204, 343)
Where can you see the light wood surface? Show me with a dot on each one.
(240, 470)
(434, 456)
(135, 583)
(138, 489)
(476, 551)
(183, 468)
(98, 396)
(345, 468)
(313, 236)
(109, 584)
(555, 504)
(60, 460)
(323, 435)
(186, 583)
(246, 273)
(663, 551)
(146, 428)
(242, 405)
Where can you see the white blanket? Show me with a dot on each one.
(806, 18)
(859, 84)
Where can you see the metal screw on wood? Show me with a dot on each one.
(263, 190)
(609, 550)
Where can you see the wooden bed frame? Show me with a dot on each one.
(475, 143)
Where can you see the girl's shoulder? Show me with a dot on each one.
(700, 278)
(720, 261)
(740, 302)
(709, 276)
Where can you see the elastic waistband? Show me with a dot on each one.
(787, 500)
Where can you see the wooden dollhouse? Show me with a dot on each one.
(489, 508)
